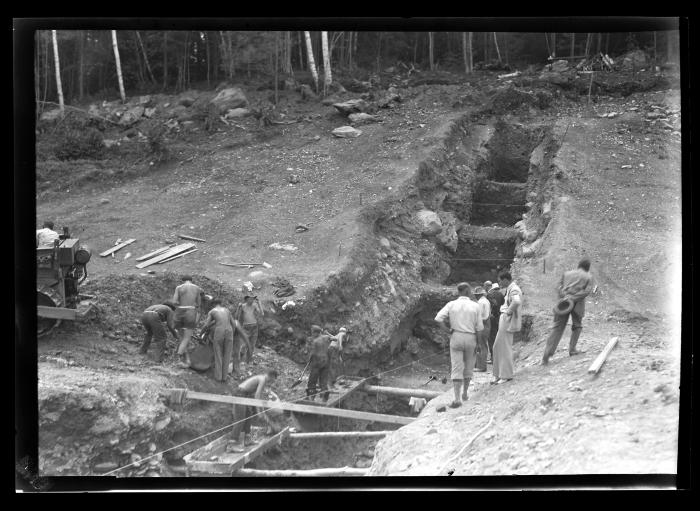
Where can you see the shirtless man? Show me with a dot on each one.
(319, 362)
(223, 324)
(249, 313)
(242, 414)
(335, 352)
(152, 320)
(188, 298)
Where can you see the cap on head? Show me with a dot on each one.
(479, 291)
(316, 328)
(487, 284)
(186, 277)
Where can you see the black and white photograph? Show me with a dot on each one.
(314, 250)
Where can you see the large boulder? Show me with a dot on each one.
(558, 66)
(362, 118)
(236, 113)
(229, 98)
(346, 132)
(557, 78)
(352, 106)
(636, 59)
(448, 235)
(131, 116)
(429, 222)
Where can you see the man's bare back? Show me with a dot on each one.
(222, 318)
(188, 294)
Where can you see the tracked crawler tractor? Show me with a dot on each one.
(60, 270)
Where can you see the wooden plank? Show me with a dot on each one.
(165, 255)
(598, 362)
(56, 312)
(200, 459)
(191, 238)
(154, 253)
(117, 248)
(318, 472)
(178, 255)
(395, 391)
(338, 434)
(282, 405)
(345, 391)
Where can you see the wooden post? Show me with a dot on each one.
(318, 472)
(115, 46)
(338, 434)
(598, 362)
(395, 391)
(59, 87)
(590, 87)
(281, 405)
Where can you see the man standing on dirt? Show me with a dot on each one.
(152, 320)
(188, 298)
(335, 353)
(575, 285)
(482, 337)
(463, 318)
(46, 235)
(253, 387)
(249, 313)
(509, 322)
(319, 363)
(224, 326)
(496, 298)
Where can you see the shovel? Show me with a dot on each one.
(298, 381)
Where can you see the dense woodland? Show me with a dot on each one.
(103, 64)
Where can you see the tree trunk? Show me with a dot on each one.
(277, 52)
(59, 87)
(415, 49)
(115, 46)
(486, 47)
(208, 57)
(431, 63)
(464, 53)
(145, 58)
(287, 63)
(470, 51)
(588, 44)
(301, 55)
(327, 77)
(598, 46)
(655, 55)
(573, 43)
(554, 44)
(549, 48)
(165, 60)
(379, 51)
(81, 64)
(495, 42)
(310, 59)
(47, 66)
(37, 74)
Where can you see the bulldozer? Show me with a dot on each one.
(61, 268)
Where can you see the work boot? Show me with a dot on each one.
(575, 333)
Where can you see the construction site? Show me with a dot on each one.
(363, 209)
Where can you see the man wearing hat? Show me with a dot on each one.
(319, 364)
(497, 299)
(482, 336)
(188, 299)
(249, 313)
(152, 320)
(574, 287)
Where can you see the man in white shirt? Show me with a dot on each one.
(463, 318)
(46, 236)
(482, 337)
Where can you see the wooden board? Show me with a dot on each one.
(191, 238)
(282, 405)
(178, 255)
(224, 462)
(56, 312)
(167, 254)
(600, 360)
(349, 384)
(154, 253)
(118, 247)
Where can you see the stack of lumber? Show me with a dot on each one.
(166, 254)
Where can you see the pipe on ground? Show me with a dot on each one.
(338, 434)
(396, 391)
(318, 472)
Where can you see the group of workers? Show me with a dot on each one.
(482, 324)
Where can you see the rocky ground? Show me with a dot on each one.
(247, 186)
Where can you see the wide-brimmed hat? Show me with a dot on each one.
(564, 306)
(479, 291)
(495, 286)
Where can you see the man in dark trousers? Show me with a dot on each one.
(152, 320)
(224, 326)
(253, 387)
(575, 285)
(497, 299)
(319, 364)
(188, 298)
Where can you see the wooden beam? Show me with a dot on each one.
(165, 255)
(338, 434)
(598, 362)
(318, 472)
(117, 248)
(154, 253)
(178, 255)
(395, 391)
(56, 312)
(282, 405)
(191, 238)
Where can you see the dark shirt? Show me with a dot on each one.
(165, 313)
(319, 346)
(497, 299)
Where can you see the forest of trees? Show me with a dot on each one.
(173, 61)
